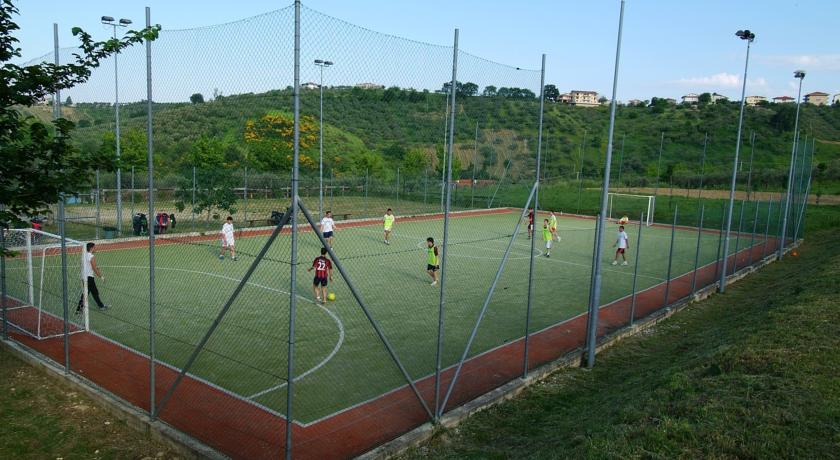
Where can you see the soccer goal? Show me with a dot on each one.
(35, 293)
(623, 204)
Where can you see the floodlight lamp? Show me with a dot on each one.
(125, 22)
(800, 74)
(328, 63)
(318, 61)
(107, 19)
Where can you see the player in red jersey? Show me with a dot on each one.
(323, 269)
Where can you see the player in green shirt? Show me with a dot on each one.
(389, 224)
(547, 237)
(432, 259)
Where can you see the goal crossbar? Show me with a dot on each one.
(645, 203)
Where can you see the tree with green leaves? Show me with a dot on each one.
(197, 98)
(215, 183)
(40, 163)
(551, 93)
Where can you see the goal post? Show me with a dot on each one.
(625, 204)
(34, 284)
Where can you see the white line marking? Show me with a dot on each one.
(336, 319)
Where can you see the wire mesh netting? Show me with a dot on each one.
(425, 261)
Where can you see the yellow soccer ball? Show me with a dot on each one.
(624, 220)
(331, 296)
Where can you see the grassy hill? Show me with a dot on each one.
(389, 123)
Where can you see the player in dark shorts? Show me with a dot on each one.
(530, 224)
(323, 270)
(432, 259)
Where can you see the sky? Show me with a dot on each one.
(669, 48)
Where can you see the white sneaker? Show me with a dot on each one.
(624, 263)
(318, 299)
(433, 283)
(615, 262)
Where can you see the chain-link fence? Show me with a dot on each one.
(333, 241)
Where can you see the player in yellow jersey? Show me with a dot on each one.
(389, 224)
(432, 259)
(552, 226)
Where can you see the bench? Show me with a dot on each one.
(346, 215)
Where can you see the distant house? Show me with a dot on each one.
(690, 98)
(755, 100)
(564, 98)
(718, 97)
(369, 86)
(310, 85)
(816, 98)
(783, 99)
(584, 98)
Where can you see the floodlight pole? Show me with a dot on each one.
(321, 64)
(109, 21)
(596, 268)
(800, 74)
(749, 37)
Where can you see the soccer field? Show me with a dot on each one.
(339, 360)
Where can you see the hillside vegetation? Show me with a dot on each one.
(381, 130)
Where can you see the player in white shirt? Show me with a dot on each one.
(623, 243)
(328, 227)
(227, 239)
(89, 272)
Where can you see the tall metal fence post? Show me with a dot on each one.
(475, 161)
(636, 269)
(367, 186)
(192, 209)
(767, 228)
(596, 298)
(752, 235)
(132, 194)
(97, 200)
(398, 186)
(3, 278)
(659, 162)
(245, 195)
(290, 356)
(749, 169)
(621, 159)
(670, 257)
(720, 245)
(580, 169)
(697, 251)
(61, 229)
(536, 213)
(738, 237)
(703, 166)
(443, 268)
(151, 169)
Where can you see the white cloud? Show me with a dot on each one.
(803, 61)
(722, 80)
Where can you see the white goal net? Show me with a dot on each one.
(631, 206)
(34, 285)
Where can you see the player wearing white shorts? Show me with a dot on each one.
(227, 239)
(623, 244)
